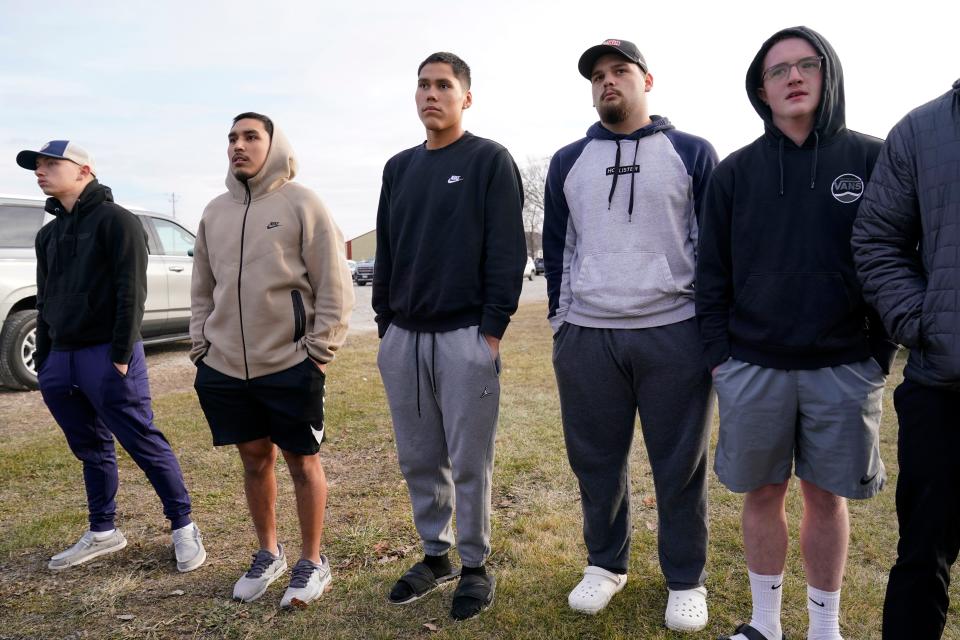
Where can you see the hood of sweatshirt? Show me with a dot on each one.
(831, 115)
(279, 168)
(599, 132)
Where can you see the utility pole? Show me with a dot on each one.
(173, 203)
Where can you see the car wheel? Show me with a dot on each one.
(18, 350)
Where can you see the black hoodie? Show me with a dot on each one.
(776, 284)
(91, 276)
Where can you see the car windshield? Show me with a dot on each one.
(19, 226)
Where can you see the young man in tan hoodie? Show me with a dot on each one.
(271, 297)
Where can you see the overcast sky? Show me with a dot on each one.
(150, 88)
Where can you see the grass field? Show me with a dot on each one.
(538, 550)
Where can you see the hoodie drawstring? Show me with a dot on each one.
(780, 161)
(633, 180)
(616, 174)
(816, 152)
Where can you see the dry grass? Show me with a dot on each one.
(538, 550)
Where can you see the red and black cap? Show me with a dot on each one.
(623, 48)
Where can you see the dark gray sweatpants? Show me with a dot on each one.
(605, 378)
(444, 396)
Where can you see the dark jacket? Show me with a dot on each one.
(91, 276)
(906, 239)
(450, 242)
(776, 285)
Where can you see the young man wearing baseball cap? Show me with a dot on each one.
(91, 287)
(620, 230)
(450, 256)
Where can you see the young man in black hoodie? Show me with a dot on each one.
(798, 358)
(91, 288)
(449, 269)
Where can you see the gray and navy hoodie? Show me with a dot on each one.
(621, 226)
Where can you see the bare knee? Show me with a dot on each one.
(304, 470)
(822, 503)
(258, 457)
(767, 498)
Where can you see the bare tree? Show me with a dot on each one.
(534, 174)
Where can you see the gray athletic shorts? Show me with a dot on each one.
(828, 420)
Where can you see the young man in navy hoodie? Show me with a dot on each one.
(619, 245)
(449, 269)
(91, 289)
(798, 358)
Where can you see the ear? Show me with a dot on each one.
(762, 94)
(647, 83)
(467, 100)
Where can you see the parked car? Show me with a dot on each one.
(167, 310)
(364, 272)
(538, 263)
(529, 270)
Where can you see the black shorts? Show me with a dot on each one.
(286, 407)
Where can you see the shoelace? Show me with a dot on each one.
(302, 572)
(261, 560)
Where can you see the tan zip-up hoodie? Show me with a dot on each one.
(270, 281)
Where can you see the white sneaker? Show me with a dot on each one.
(307, 583)
(265, 568)
(87, 548)
(188, 547)
(687, 609)
(595, 590)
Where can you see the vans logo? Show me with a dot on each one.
(273, 225)
(847, 188)
(453, 179)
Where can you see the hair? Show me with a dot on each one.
(252, 115)
(460, 68)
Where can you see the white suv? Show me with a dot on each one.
(167, 313)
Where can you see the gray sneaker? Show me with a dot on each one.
(188, 546)
(265, 568)
(86, 549)
(307, 583)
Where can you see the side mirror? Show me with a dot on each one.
(190, 252)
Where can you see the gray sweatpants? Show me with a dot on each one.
(605, 378)
(444, 396)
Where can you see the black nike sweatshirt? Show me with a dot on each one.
(91, 276)
(450, 242)
(776, 285)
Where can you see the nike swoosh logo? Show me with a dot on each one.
(866, 480)
(453, 179)
(777, 586)
(819, 604)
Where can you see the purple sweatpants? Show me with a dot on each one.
(92, 403)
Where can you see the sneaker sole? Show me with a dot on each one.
(297, 603)
(95, 554)
(184, 567)
(689, 628)
(272, 579)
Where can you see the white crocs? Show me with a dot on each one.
(595, 590)
(687, 609)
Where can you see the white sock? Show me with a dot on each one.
(767, 595)
(824, 610)
(102, 535)
(184, 528)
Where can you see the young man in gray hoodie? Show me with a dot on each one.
(619, 239)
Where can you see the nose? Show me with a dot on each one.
(795, 75)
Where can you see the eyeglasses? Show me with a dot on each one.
(808, 68)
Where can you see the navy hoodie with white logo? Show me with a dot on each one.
(776, 285)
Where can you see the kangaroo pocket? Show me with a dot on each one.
(67, 315)
(624, 283)
(795, 311)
